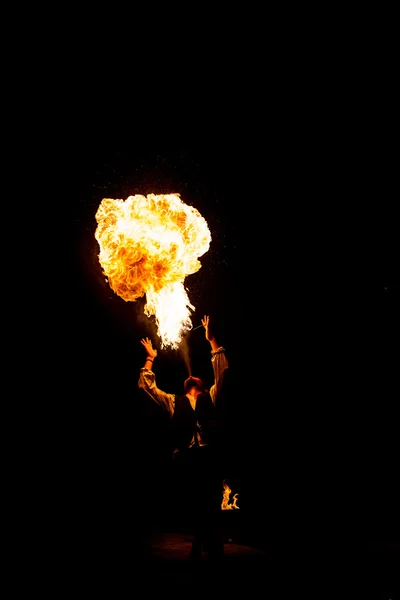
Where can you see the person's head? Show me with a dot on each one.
(196, 383)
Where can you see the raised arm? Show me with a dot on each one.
(151, 353)
(209, 334)
(218, 360)
(147, 380)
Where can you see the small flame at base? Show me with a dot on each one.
(226, 505)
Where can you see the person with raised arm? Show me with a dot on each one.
(195, 445)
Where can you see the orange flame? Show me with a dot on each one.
(226, 505)
(148, 245)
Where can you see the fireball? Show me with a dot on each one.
(148, 246)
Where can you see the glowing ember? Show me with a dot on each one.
(226, 505)
(148, 245)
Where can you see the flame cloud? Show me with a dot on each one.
(148, 245)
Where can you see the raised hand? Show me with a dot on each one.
(206, 324)
(146, 342)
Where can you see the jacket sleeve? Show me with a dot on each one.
(147, 382)
(220, 365)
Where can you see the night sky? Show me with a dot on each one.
(307, 413)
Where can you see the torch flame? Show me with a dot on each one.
(226, 505)
(148, 245)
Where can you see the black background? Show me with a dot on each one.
(271, 138)
(301, 285)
